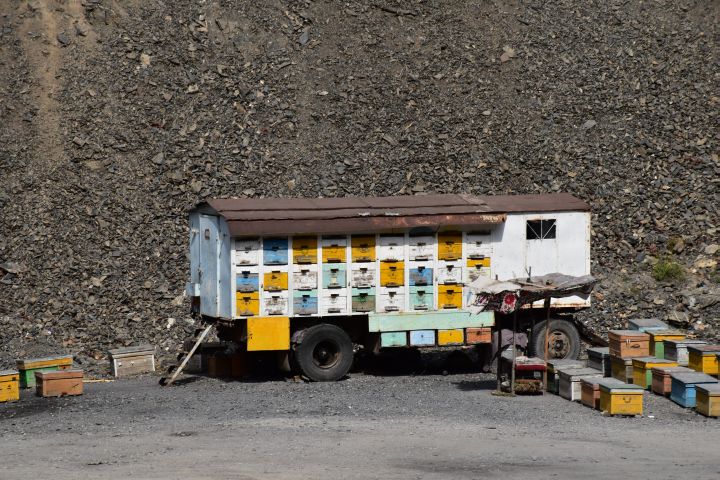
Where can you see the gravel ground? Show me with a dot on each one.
(368, 426)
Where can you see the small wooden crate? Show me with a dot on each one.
(704, 358)
(629, 343)
(552, 371)
(599, 359)
(661, 382)
(657, 341)
(132, 360)
(642, 373)
(678, 349)
(621, 369)
(683, 387)
(28, 367)
(590, 392)
(59, 384)
(707, 399)
(646, 325)
(478, 335)
(9, 386)
(617, 398)
(569, 386)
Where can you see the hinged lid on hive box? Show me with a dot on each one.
(647, 324)
(9, 375)
(710, 389)
(565, 363)
(55, 361)
(575, 374)
(692, 378)
(629, 343)
(709, 350)
(133, 360)
(610, 384)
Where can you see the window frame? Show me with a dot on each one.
(541, 229)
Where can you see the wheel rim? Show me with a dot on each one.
(558, 344)
(326, 354)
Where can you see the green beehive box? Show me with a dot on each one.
(28, 367)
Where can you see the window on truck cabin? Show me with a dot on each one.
(540, 229)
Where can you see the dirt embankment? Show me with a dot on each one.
(117, 116)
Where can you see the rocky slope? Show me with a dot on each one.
(118, 116)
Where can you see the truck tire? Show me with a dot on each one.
(324, 354)
(563, 339)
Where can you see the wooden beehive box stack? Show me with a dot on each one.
(704, 358)
(60, 383)
(678, 349)
(683, 387)
(569, 386)
(552, 371)
(9, 386)
(661, 381)
(28, 367)
(590, 392)
(707, 399)
(134, 360)
(657, 341)
(621, 369)
(619, 398)
(642, 373)
(599, 359)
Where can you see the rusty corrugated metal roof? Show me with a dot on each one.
(280, 216)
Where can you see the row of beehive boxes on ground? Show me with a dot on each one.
(50, 376)
(626, 360)
(401, 273)
(428, 338)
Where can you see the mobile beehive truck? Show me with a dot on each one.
(314, 277)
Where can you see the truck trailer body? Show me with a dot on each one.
(384, 271)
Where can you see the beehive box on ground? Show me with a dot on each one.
(621, 369)
(134, 360)
(9, 386)
(60, 383)
(678, 349)
(641, 368)
(599, 359)
(552, 371)
(629, 343)
(707, 399)
(569, 386)
(28, 367)
(657, 339)
(661, 381)
(590, 392)
(647, 324)
(619, 398)
(683, 387)
(704, 358)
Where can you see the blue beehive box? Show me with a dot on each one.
(247, 282)
(421, 276)
(305, 302)
(275, 251)
(422, 337)
(683, 387)
(334, 275)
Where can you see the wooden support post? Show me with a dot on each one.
(512, 374)
(497, 358)
(547, 335)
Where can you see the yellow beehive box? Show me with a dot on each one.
(449, 296)
(9, 386)
(707, 399)
(275, 281)
(247, 303)
(304, 249)
(617, 398)
(450, 337)
(392, 274)
(363, 248)
(704, 358)
(450, 246)
(642, 369)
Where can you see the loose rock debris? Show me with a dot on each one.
(153, 106)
